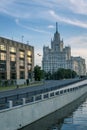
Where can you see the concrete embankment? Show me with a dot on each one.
(17, 117)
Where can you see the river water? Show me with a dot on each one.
(71, 117)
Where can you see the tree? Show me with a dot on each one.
(62, 73)
(47, 75)
(38, 73)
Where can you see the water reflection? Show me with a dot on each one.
(71, 117)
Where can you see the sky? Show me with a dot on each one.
(34, 21)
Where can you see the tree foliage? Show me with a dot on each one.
(61, 74)
(38, 73)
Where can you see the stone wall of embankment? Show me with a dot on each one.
(17, 117)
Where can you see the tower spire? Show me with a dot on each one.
(56, 27)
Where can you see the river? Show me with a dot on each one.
(71, 117)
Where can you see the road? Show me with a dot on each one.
(17, 94)
(50, 84)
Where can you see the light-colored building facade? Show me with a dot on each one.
(79, 66)
(16, 60)
(59, 56)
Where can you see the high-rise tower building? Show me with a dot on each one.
(59, 56)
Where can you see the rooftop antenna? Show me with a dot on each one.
(27, 42)
(22, 38)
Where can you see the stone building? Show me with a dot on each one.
(16, 60)
(59, 56)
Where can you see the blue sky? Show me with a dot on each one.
(35, 20)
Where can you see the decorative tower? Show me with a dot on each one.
(55, 43)
(56, 27)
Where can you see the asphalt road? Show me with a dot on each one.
(16, 95)
(48, 85)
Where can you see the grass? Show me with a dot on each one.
(6, 88)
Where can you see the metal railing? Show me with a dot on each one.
(39, 97)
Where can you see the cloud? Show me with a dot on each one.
(78, 6)
(51, 26)
(78, 46)
(17, 21)
(78, 41)
(80, 52)
(37, 9)
(30, 28)
(74, 22)
(14, 9)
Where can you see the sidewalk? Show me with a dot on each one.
(6, 88)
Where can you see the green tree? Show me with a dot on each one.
(62, 73)
(48, 75)
(74, 74)
(38, 73)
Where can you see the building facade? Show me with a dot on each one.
(16, 60)
(59, 56)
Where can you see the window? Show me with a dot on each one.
(12, 57)
(12, 49)
(29, 53)
(21, 53)
(2, 65)
(2, 56)
(29, 60)
(22, 75)
(2, 75)
(29, 75)
(13, 75)
(13, 66)
(3, 47)
(29, 67)
(21, 62)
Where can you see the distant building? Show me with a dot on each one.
(16, 60)
(59, 56)
(80, 66)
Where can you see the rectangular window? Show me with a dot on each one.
(21, 54)
(2, 56)
(29, 60)
(21, 62)
(29, 67)
(2, 65)
(22, 75)
(29, 53)
(13, 75)
(29, 75)
(13, 66)
(12, 57)
(12, 49)
(2, 75)
(3, 47)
